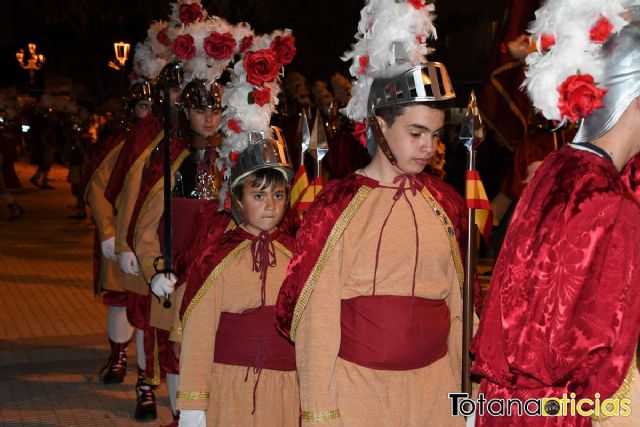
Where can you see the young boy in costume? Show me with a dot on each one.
(373, 297)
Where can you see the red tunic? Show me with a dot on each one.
(562, 312)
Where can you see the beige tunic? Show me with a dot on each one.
(226, 391)
(111, 277)
(363, 396)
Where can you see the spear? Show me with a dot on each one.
(318, 144)
(472, 135)
(304, 135)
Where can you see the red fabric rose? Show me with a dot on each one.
(261, 96)
(418, 4)
(579, 96)
(285, 48)
(190, 13)
(219, 46)
(184, 46)
(363, 61)
(162, 37)
(360, 133)
(233, 156)
(601, 31)
(262, 66)
(234, 126)
(246, 43)
(546, 41)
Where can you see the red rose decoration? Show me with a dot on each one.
(261, 96)
(190, 13)
(601, 31)
(184, 46)
(418, 4)
(246, 43)
(262, 66)
(284, 47)
(233, 156)
(360, 133)
(162, 37)
(546, 41)
(579, 96)
(234, 126)
(363, 61)
(219, 46)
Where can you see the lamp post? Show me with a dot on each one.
(122, 54)
(34, 62)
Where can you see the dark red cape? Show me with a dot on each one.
(143, 133)
(153, 174)
(214, 248)
(562, 312)
(320, 220)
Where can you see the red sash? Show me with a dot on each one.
(250, 339)
(394, 333)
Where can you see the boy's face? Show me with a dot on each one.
(204, 121)
(413, 138)
(142, 109)
(263, 208)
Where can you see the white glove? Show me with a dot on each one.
(163, 284)
(192, 418)
(109, 248)
(128, 263)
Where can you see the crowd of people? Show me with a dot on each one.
(347, 309)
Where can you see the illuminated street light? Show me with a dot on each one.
(122, 54)
(34, 63)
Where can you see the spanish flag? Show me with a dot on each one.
(477, 199)
(298, 187)
(309, 195)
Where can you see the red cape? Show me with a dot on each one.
(153, 176)
(320, 220)
(214, 248)
(98, 153)
(143, 133)
(562, 312)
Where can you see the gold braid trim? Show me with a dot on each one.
(138, 163)
(156, 188)
(625, 388)
(451, 233)
(335, 235)
(113, 153)
(320, 417)
(231, 226)
(156, 361)
(209, 282)
(193, 395)
(282, 248)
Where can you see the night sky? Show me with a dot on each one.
(77, 36)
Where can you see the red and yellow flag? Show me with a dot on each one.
(309, 195)
(298, 186)
(477, 199)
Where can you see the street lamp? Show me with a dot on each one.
(34, 63)
(122, 54)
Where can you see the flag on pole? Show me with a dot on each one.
(309, 195)
(298, 187)
(477, 199)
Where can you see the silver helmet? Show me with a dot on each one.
(263, 152)
(621, 79)
(427, 84)
(196, 94)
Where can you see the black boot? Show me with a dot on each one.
(116, 366)
(146, 401)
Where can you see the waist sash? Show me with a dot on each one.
(250, 339)
(395, 333)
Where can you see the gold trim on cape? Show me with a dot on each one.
(320, 416)
(193, 395)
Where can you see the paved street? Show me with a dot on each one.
(53, 337)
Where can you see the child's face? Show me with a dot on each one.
(204, 121)
(263, 208)
(413, 138)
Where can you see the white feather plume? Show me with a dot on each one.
(569, 22)
(392, 36)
